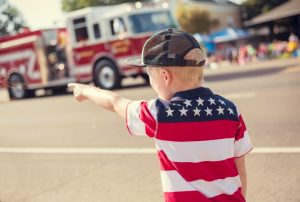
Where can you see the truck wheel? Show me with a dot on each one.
(106, 75)
(17, 88)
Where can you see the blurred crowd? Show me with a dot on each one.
(247, 53)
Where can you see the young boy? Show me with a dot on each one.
(200, 137)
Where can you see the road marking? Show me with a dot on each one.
(5, 150)
(275, 150)
(78, 150)
(239, 95)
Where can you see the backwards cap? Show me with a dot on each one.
(169, 48)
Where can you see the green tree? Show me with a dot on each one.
(11, 21)
(72, 5)
(252, 8)
(195, 20)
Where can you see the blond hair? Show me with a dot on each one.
(188, 73)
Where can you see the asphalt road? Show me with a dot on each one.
(66, 162)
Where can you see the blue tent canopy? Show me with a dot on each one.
(206, 41)
(229, 34)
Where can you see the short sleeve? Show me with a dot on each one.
(141, 118)
(242, 142)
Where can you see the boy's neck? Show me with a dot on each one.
(178, 88)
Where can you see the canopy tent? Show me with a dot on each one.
(288, 9)
(201, 38)
(206, 41)
(229, 34)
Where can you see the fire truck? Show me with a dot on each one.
(33, 60)
(93, 47)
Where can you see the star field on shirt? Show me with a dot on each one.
(200, 107)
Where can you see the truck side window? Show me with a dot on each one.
(80, 28)
(117, 26)
(97, 32)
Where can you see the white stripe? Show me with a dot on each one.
(135, 125)
(198, 151)
(173, 182)
(18, 41)
(83, 69)
(20, 55)
(37, 150)
(243, 145)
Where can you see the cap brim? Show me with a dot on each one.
(135, 61)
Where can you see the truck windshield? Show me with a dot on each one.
(151, 22)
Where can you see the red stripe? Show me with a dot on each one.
(196, 131)
(185, 196)
(208, 170)
(148, 120)
(241, 129)
(194, 196)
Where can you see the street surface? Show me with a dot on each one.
(55, 149)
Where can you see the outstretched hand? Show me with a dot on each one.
(78, 91)
(103, 98)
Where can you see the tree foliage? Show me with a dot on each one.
(195, 20)
(11, 21)
(252, 8)
(72, 5)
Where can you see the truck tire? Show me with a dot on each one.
(106, 75)
(17, 88)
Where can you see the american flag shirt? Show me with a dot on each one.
(198, 134)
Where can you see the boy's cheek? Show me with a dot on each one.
(148, 70)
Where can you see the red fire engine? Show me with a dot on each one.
(33, 60)
(94, 48)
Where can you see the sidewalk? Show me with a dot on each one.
(269, 65)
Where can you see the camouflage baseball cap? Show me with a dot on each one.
(169, 48)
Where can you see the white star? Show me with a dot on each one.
(212, 101)
(174, 104)
(196, 112)
(170, 112)
(230, 111)
(183, 111)
(200, 101)
(222, 102)
(220, 110)
(187, 103)
(208, 111)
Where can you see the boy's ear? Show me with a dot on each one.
(166, 76)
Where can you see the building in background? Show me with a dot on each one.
(227, 13)
(279, 22)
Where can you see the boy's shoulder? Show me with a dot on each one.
(197, 108)
(225, 101)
